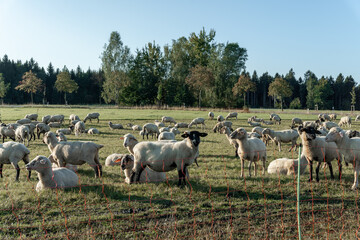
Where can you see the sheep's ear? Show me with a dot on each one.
(118, 160)
(203, 134)
(185, 135)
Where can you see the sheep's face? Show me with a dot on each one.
(194, 137)
(38, 163)
(266, 131)
(127, 139)
(127, 162)
(354, 133)
(239, 133)
(334, 134)
(308, 133)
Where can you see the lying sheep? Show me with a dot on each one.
(6, 132)
(32, 116)
(159, 124)
(211, 115)
(254, 124)
(76, 153)
(250, 149)
(73, 117)
(231, 115)
(56, 119)
(316, 148)
(255, 119)
(54, 124)
(218, 126)
(220, 118)
(197, 121)
(23, 121)
(175, 131)
(284, 136)
(170, 120)
(150, 128)
(164, 129)
(42, 128)
(115, 126)
(135, 127)
(345, 121)
(164, 156)
(12, 153)
(111, 159)
(166, 136)
(79, 128)
(45, 119)
(267, 122)
(91, 116)
(22, 134)
(52, 178)
(286, 166)
(66, 131)
(93, 131)
(182, 125)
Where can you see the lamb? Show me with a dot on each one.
(146, 176)
(150, 128)
(91, 116)
(23, 121)
(276, 118)
(33, 116)
(159, 124)
(345, 121)
(220, 125)
(73, 117)
(251, 149)
(32, 128)
(170, 120)
(76, 153)
(283, 136)
(296, 122)
(52, 178)
(66, 131)
(6, 132)
(211, 115)
(79, 128)
(129, 142)
(316, 148)
(197, 121)
(164, 156)
(182, 125)
(45, 119)
(231, 115)
(57, 118)
(42, 128)
(166, 136)
(286, 166)
(220, 118)
(12, 153)
(232, 142)
(22, 133)
(93, 131)
(115, 126)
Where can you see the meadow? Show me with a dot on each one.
(215, 204)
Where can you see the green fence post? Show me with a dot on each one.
(298, 194)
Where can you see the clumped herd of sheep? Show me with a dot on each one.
(323, 141)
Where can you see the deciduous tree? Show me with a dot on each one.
(4, 87)
(243, 85)
(280, 89)
(30, 84)
(65, 84)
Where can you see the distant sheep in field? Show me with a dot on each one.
(6, 132)
(332, 116)
(45, 119)
(159, 124)
(276, 118)
(170, 120)
(345, 121)
(232, 115)
(73, 117)
(79, 128)
(93, 131)
(42, 128)
(150, 128)
(22, 134)
(23, 121)
(182, 125)
(32, 117)
(197, 121)
(211, 115)
(57, 118)
(115, 126)
(220, 118)
(286, 166)
(91, 116)
(296, 122)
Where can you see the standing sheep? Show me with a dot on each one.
(22, 134)
(33, 116)
(197, 121)
(73, 117)
(45, 119)
(42, 128)
(6, 132)
(211, 115)
(232, 115)
(91, 116)
(284, 136)
(150, 128)
(170, 120)
(220, 118)
(345, 121)
(79, 128)
(232, 142)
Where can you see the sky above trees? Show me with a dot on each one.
(321, 36)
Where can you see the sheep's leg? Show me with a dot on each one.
(311, 170)
(98, 170)
(317, 171)
(340, 168)
(331, 171)
(255, 169)
(26, 162)
(236, 153)
(242, 168)
(356, 175)
(250, 163)
(1, 168)
(16, 166)
(279, 144)
(181, 176)
(264, 164)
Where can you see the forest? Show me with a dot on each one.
(193, 71)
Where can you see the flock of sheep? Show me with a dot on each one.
(323, 141)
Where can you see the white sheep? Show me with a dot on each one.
(276, 118)
(54, 124)
(42, 128)
(93, 131)
(32, 116)
(316, 148)
(45, 119)
(197, 121)
(164, 129)
(32, 128)
(159, 123)
(352, 133)
(22, 134)
(254, 124)
(211, 115)
(296, 122)
(345, 121)
(61, 137)
(136, 127)
(165, 156)
(12, 153)
(13, 125)
(332, 116)
(284, 136)
(166, 136)
(267, 122)
(56, 118)
(225, 130)
(66, 131)
(182, 125)
(218, 126)
(129, 142)
(231, 115)
(23, 121)
(115, 126)
(250, 149)
(91, 116)
(76, 153)
(7, 132)
(150, 128)
(111, 159)
(220, 118)
(313, 124)
(175, 131)
(52, 178)
(324, 117)
(170, 120)
(286, 166)
(79, 128)
(357, 118)
(73, 117)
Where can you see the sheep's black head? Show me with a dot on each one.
(310, 132)
(194, 137)
(125, 162)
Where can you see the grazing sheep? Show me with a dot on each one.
(197, 121)
(255, 119)
(115, 126)
(22, 134)
(220, 118)
(91, 116)
(32, 128)
(79, 128)
(54, 124)
(332, 116)
(296, 122)
(56, 119)
(73, 117)
(23, 121)
(72, 123)
(182, 125)
(52, 178)
(13, 125)
(267, 122)
(12, 153)
(250, 149)
(324, 117)
(259, 131)
(159, 124)
(357, 118)
(6, 132)
(150, 128)
(146, 176)
(45, 119)
(164, 156)
(211, 115)
(313, 124)
(286, 166)
(76, 153)
(135, 127)
(33, 116)
(220, 125)
(345, 121)
(276, 118)
(93, 131)
(231, 115)
(283, 136)
(225, 130)
(170, 120)
(42, 128)
(175, 131)
(61, 137)
(66, 131)
(352, 133)
(166, 136)
(317, 149)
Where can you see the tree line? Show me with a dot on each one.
(191, 71)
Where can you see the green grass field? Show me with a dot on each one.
(216, 204)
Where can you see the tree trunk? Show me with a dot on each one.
(281, 103)
(199, 99)
(31, 95)
(65, 98)
(244, 99)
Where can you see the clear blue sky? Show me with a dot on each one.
(318, 35)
